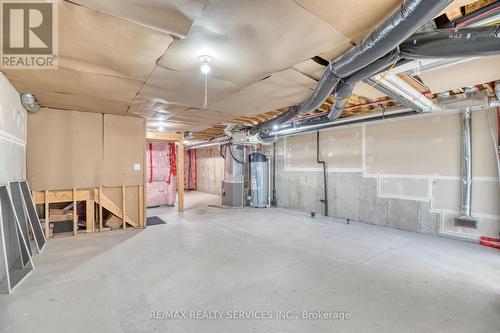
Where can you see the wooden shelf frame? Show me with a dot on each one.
(91, 197)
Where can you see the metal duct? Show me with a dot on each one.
(446, 43)
(400, 25)
(29, 102)
(465, 219)
(342, 94)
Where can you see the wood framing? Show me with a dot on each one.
(91, 197)
(124, 210)
(164, 136)
(47, 213)
(141, 206)
(100, 208)
(75, 216)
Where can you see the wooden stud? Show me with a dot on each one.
(180, 176)
(60, 196)
(90, 215)
(164, 136)
(47, 215)
(141, 206)
(75, 219)
(100, 209)
(124, 211)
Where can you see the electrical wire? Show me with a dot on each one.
(475, 18)
(382, 77)
(232, 155)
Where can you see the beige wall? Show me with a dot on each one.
(210, 167)
(70, 149)
(414, 159)
(12, 134)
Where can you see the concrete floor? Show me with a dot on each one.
(213, 259)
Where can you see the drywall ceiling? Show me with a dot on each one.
(250, 40)
(173, 16)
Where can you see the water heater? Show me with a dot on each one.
(259, 180)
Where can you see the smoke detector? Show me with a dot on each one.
(28, 100)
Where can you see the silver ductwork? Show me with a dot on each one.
(29, 102)
(399, 26)
(340, 73)
(465, 219)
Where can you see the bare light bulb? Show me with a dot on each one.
(160, 128)
(275, 127)
(205, 69)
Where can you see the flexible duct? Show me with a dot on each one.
(452, 43)
(342, 94)
(400, 25)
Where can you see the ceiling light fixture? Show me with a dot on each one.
(205, 69)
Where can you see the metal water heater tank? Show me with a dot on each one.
(259, 180)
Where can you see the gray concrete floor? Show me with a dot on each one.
(213, 259)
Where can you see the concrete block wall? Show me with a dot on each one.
(402, 174)
(373, 177)
(355, 197)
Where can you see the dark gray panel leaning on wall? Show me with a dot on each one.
(12, 268)
(17, 202)
(34, 221)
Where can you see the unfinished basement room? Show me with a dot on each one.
(249, 166)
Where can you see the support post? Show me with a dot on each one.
(124, 210)
(180, 175)
(141, 206)
(100, 209)
(47, 215)
(90, 215)
(75, 218)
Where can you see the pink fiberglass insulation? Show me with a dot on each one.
(190, 176)
(157, 162)
(157, 194)
(161, 185)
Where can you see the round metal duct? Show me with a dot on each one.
(28, 100)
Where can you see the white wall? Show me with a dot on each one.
(13, 123)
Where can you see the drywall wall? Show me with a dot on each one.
(12, 134)
(124, 150)
(401, 173)
(210, 168)
(70, 149)
(64, 149)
